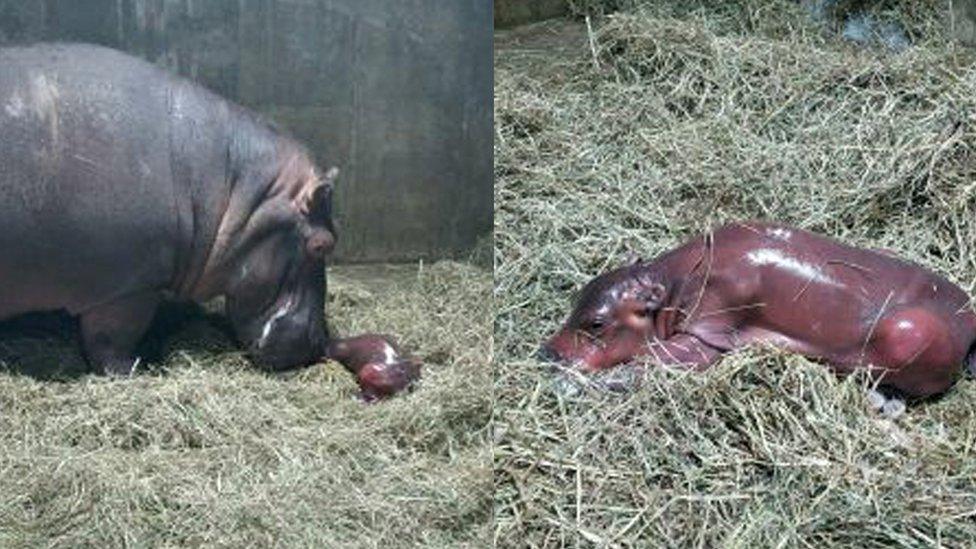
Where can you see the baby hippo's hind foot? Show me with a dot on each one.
(894, 408)
(970, 370)
(891, 407)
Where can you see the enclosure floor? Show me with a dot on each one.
(204, 449)
(665, 121)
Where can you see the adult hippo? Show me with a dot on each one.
(122, 185)
(762, 283)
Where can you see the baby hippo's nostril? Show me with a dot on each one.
(546, 354)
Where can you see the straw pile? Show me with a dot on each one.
(653, 125)
(205, 450)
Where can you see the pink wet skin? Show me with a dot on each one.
(755, 283)
(377, 363)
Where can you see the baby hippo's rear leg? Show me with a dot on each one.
(110, 332)
(891, 407)
(915, 352)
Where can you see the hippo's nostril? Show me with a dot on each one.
(546, 354)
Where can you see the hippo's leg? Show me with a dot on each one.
(684, 349)
(111, 331)
(914, 351)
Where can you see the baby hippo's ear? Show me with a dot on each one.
(653, 296)
(330, 176)
(631, 258)
(319, 192)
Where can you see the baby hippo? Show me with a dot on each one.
(765, 284)
(376, 361)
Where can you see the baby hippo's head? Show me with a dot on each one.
(379, 380)
(376, 361)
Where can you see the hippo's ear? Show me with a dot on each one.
(331, 176)
(319, 191)
(653, 295)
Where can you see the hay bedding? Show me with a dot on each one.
(661, 122)
(208, 451)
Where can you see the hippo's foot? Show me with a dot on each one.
(889, 407)
(110, 332)
(121, 367)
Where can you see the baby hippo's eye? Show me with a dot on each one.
(596, 324)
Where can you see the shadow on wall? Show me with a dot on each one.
(399, 94)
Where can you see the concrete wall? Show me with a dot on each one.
(398, 93)
(964, 21)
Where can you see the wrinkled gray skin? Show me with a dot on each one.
(122, 185)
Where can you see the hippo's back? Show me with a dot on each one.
(93, 146)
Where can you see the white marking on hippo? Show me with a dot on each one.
(44, 95)
(15, 107)
(44, 102)
(266, 331)
(779, 232)
(389, 354)
(767, 256)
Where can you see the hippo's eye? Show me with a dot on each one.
(596, 324)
